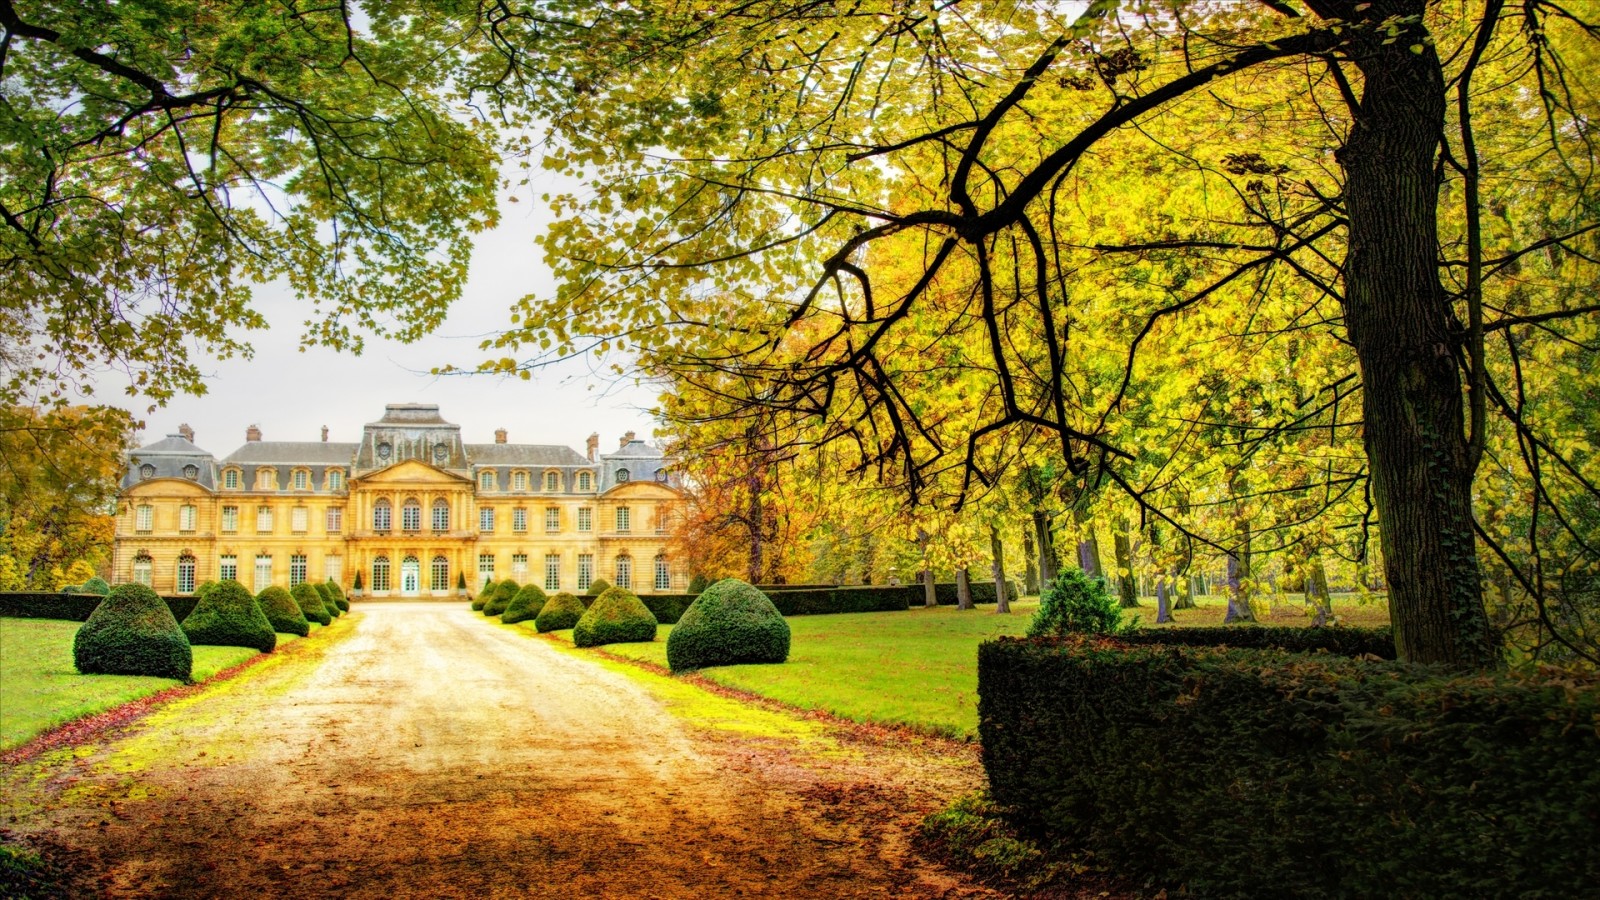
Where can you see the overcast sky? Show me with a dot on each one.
(291, 395)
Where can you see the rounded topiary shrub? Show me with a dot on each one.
(96, 585)
(597, 587)
(282, 611)
(484, 594)
(132, 632)
(617, 616)
(326, 597)
(730, 622)
(561, 611)
(527, 604)
(337, 593)
(310, 603)
(228, 616)
(1077, 604)
(504, 593)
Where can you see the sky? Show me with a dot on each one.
(291, 394)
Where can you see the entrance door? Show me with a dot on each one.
(410, 576)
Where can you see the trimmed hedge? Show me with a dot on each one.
(339, 599)
(96, 585)
(311, 603)
(597, 587)
(561, 611)
(483, 596)
(821, 601)
(132, 633)
(283, 611)
(982, 591)
(667, 608)
(71, 607)
(1338, 640)
(530, 599)
(326, 596)
(229, 616)
(730, 622)
(617, 616)
(1304, 775)
(504, 593)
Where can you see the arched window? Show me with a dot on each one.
(382, 517)
(622, 476)
(230, 479)
(302, 479)
(335, 479)
(485, 481)
(186, 574)
(441, 574)
(191, 472)
(624, 572)
(380, 574)
(142, 567)
(552, 482)
(519, 481)
(585, 481)
(147, 471)
(663, 573)
(411, 515)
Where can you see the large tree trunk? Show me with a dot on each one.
(997, 569)
(1400, 322)
(1166, 581)
(755, 520)
(1317, 589)
(1047, 549)
(1088, 546)
(963, 589)
(1127, 584)
(930, 595)
(1030, 575)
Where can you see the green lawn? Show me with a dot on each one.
(919, 667)
(40, 689)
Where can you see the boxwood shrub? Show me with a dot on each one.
(132, 632)
(339, 599)
(229, 616)
(597, 587)
(504, 593)
(1339, 640)
(730, 622)
(530, 599)
(47, 605)
(484, 594)
(326, 596)
(311, 604)
(1305, 775)
(96, 585)
(667, 608)
(282, 611)
(561, 611)
(867, 598)
(617, 616)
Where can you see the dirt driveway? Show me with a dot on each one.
(429, 753)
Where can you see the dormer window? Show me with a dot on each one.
(191, 472)
(661, 476)
(485, 481)
(519, 481)
(622, 476)
(302, 479)
(230, 479)
(147, 471)
(335, 480)
(266, 479)
(552, 482)
(585, 481)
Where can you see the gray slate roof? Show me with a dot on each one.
(524, 455)
(167, 458)
(309, 453)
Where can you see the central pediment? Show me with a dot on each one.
(411, 472)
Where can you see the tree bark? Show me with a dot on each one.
(930, 596)
(1047, 549)
(1166, 581)
(997, 569)
(963, 589)
(1030, 575)
(1317, 589)
(1088, 547)
(1399, 319)
(1127, 584)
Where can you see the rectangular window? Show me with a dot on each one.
(485, 568)
(186, 517)
(519, 481)
(624, 572)
(585, 519)
(266, 480)
(335, 519)
(519, 520)
(263, 572)
(552, 519)
(380, 575)
(230, 520)
(335, 480)
(301, 480)
(552, 572)
(519, 567)
(228, 567)
(186, 575)
(143, 571)
(299, 520)
(585, 570)
(263, 520)
(144, 518)
(623, 524)
(230, 479)
(411, 517)
(441, 516)
(333, 569)
(661, 520)
(663, 574)
(380, 516)
(297, 569)
(486, 519)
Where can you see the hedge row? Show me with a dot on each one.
(72, 607)
(1255, 773)
(982, 592)
(1341, 641)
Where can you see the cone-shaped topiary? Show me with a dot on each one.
(617, 616)
(339, 599)
(326, 597)
(132, 632)
(730, 622)
(228, 616)
(282, 611)
(484, 594)
(97, 585)
(504, 593)
(561, 611)
(311, 603)
(527, 604)
(597, 587)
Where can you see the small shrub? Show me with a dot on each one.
(96, 585)
(132, 632)
(483, 596)
(617, 616)
(504, 593)
(974, 834)
(1076, 604)
(282, 611)
(339, 599)
(730, 622)
(561, 611)
(228, 616)
(326, 596)
(597, 587)
(311, 603)
(527, 604)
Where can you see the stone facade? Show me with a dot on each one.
(411, 507)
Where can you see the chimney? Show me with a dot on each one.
(324, 434)
(186, 432)
(627, 439)
(253, 433)
(594, 445)
(499, 435)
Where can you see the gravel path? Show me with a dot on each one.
(429, 753)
